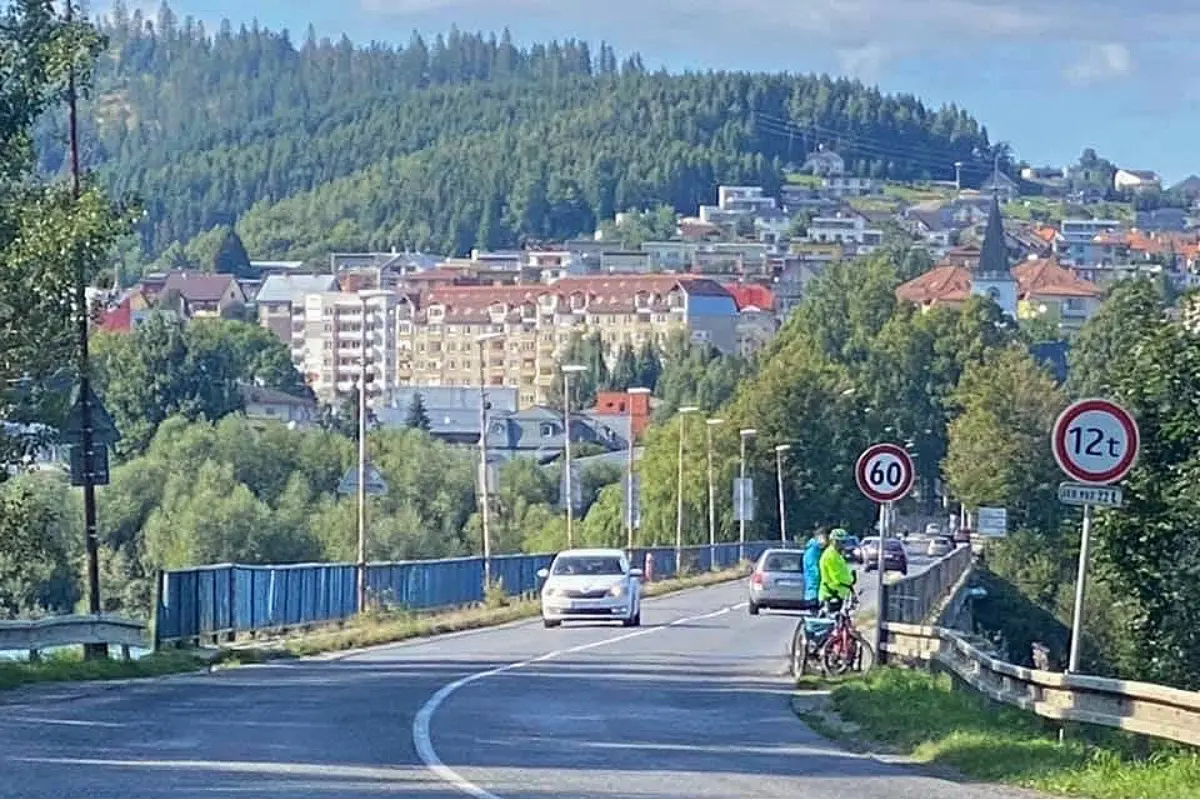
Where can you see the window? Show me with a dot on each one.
(549, 429)
(591, 565)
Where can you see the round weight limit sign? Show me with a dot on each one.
(884, 473)
(1095, 441)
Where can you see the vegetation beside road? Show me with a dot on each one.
(925, 717)
(70, 666)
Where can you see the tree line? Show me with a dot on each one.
(302, 145)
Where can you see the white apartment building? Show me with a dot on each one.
(851, 232)
(329, 340)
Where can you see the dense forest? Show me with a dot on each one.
(463, 141)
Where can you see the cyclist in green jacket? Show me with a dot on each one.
(837, 580)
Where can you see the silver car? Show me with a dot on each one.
(593, 585)
(939, 546)
(778, 580)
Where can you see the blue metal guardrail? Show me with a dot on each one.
(228, 599)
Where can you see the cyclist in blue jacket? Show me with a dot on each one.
(812, 566)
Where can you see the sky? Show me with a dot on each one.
(1050, 77)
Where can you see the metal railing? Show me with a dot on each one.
(1144, 708)
(37, 635)
(225, 600)
(915, 598)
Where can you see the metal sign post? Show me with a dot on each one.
(1095, 442)
(885, 474)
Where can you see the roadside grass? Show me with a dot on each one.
(370, 629)
(69, 665)
(387, 627)
(926, 717)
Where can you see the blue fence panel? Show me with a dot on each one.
(235, 598)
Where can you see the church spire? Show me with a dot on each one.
(993, 256)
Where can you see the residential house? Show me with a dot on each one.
(933, 228)
(1077, 245)
(275, 300)
(670, 256)
(852, 231)
(791, 283)
(1136, 180)
(744, 199)
(624, 261)
(204, 295)
(825, 163)
(634, 407)
(537, 433)
(1049, 290)
(757, 322)
(453, 411)
(263, 404)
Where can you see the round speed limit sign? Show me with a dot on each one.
(884, 472)
(1095, 441)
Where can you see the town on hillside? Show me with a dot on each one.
(1043, 244)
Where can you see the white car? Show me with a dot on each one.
(591, 584)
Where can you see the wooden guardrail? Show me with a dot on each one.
(1144, 708)
(76, 629)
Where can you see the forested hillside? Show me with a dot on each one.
(466, 140)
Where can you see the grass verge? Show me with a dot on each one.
(926, 717)
(69, 665)
(389, 627)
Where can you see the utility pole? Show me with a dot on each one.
(780, 449)
(484, 490)
(743, 435)
(92, 541)
(683, 415)
(362, 464)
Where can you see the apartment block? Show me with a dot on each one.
(334, 334)
(513, 335)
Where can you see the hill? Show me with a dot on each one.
(466, 140)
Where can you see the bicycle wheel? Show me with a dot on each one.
(842, 654)
(799, 657)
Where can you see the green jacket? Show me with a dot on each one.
(836, 578)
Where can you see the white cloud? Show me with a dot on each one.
(1101, 62)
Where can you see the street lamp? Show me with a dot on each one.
(743, 434)
(484, 494)
(780, 449)
(567, 371)
(712, 500)
(635, 391)
(683, 414)
(362, 458)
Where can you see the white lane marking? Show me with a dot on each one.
(423, 741)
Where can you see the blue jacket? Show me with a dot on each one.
(812, 569)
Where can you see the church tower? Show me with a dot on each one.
(993, 278)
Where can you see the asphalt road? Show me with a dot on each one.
(693, 704)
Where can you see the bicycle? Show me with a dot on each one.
(831, 641)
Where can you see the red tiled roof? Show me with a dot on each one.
(118, 319)
(605, 294)
(948, 283)
(751, 295)
(1045, 277)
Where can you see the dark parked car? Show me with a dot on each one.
(853, 549)
(895, 558)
